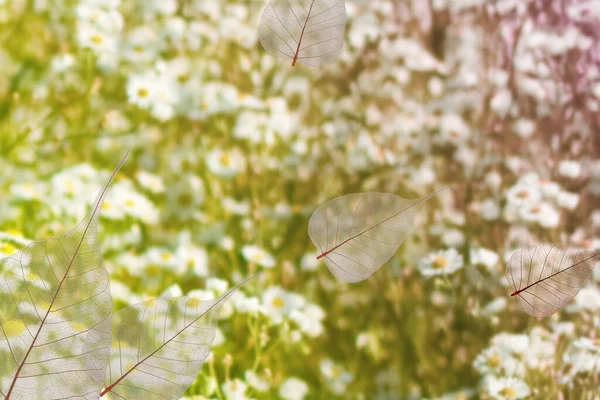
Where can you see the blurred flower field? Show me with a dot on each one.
(232, 150)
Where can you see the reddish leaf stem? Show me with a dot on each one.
(376, 225)
(302, 34)
(14, 381)
(554, 274)
(218, 302)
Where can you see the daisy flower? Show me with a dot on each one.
(507, 388)
(256, 255)
(443, 262)
(226, 164)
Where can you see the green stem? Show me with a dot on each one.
(213, 373)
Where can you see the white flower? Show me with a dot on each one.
(563, 328)
(582, 356)
(28, 191)
(549, 189)
(309, 261)
(588, 299)
(293, 389)
(255, 381)
(63, 62)
(524, 128)
(337, 378)
(255, 254)
(485, 257)
(122, 292)
(201, 294)
(226, 164)
(247, 304)
(514, 344)
(133, 264)
(435, 86)
(453, 129)
(164, 7)
(162, 258)
(278, 303)
(106, 20)
(193, 259)
(133, 203)
(501, 102)
(493, 180)
(443, 262)
(364, 28)
(541, 350)
(542, 213)
(507, 388)
(453, 238)
(496, 361)
(567, 200)
(142, 45)
(522, 195)
(217, 285)
(186, 196)
(142, 89)
(227, 243)
(569, 169)
(235, 390)
(93, 38)
(151, 182)
(489, 210)
(495, 306)
(309, 320)
(172, 291)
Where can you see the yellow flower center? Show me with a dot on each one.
(185, 199)
(166, 256)
(508, 392)
(278, 302)
(7, 248)
(523, 194)
(536, 210)
(194, 302)
(225, 159)
(336, 372)
(138, 48)
(106, 206)
(130, 203)
(440, 262)
(97, 39)
(143, 92)
(14, 327)
(494, 361)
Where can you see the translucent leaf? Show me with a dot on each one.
(308, 31)
(546, 277)
(55, 320)
(358, 233)
(159, 346)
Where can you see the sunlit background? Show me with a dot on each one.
(232, 149)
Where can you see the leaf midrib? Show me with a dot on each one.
(554, 274)
(218, 302)
(325, 253)
(302, 33)
(91, 218)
